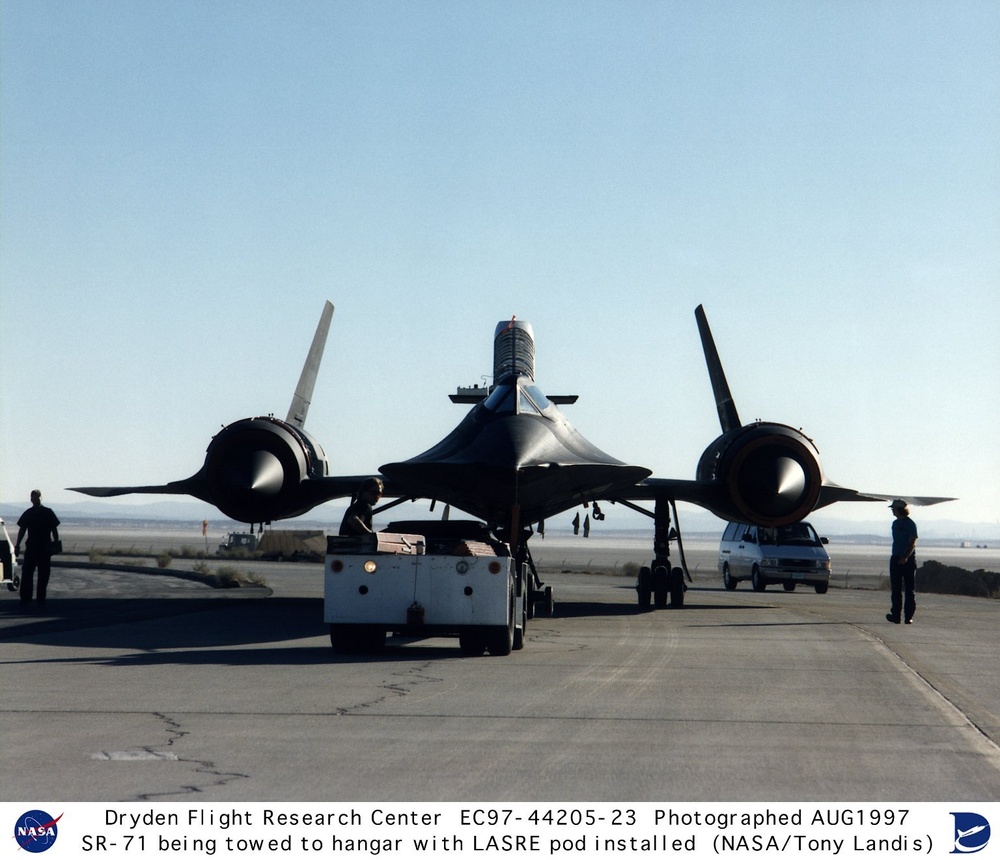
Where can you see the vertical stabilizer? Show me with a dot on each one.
(728, 416)
(304, 390)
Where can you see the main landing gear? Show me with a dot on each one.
(661, 584)
(657, 584)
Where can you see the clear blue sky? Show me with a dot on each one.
(184, 183)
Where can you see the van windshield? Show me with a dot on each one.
(797, 534)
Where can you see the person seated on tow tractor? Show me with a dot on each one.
(358, 517)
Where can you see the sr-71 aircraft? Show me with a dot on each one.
(515, 461)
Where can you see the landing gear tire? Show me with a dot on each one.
(644, 587)
(677, 588)
(757, 578)
(727, 579)
(661, 587)
(548, 602)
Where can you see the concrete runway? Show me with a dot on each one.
(145, 687)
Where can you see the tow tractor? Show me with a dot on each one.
(451, 578)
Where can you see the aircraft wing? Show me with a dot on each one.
(310, 493)
(835, 493)
(710, 494)
(189, 487)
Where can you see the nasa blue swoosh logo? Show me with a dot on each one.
(972, 832)
(36, 831)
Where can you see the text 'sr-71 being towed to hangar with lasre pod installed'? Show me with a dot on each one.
(515, 461)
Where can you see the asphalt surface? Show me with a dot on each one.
(149, 687)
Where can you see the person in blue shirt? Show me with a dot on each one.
(902, 565)
(42, 527)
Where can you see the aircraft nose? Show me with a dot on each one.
(257, 471)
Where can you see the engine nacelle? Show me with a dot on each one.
(254, 468)
(770, 474)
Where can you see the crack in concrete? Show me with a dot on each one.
(411, 678)
(175, 734)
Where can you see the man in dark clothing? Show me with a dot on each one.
(42, 527)
(902, 565)
(358, 518)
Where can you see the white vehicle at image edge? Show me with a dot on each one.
(786, 554)
(8, 564)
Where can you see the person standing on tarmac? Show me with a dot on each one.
(902, 565)
(42, 527)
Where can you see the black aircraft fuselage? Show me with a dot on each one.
(514, 459)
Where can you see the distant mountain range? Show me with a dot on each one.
(328, 516)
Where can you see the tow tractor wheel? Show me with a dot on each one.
(520, 633)
(500, 640)
(472, 644)
(357, 638)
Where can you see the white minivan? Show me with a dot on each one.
(786, 554)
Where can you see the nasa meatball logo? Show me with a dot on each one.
(972, 833)
(36, 831)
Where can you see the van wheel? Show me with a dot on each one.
(757, 578)
(821, 587)
(727, 579)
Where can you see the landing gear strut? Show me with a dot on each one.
(660, 584)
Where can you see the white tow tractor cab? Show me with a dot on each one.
(8, 564)
(390, 582)
(788, 555)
